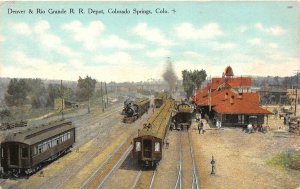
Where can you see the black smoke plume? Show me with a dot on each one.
(170, 76)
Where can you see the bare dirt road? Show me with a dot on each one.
(241, 158)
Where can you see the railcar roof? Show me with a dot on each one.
(159, 120)
(141, 100)
(37, 134)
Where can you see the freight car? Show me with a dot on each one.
(148, 145)
(25, 152)
(159, 99)
(183, 116)
(136, 109)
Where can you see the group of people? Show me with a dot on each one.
(253, 128)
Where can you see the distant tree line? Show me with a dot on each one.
(283, 82)
(33, 91)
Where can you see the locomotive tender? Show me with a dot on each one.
(135, 109)
(183, 116)
(148, 145)
(159, 100)
(25, 152)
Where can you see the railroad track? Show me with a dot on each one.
(179, 175)
(86, 158)
(195, 182)
(145, 179)
(105, 170)
(195, 177)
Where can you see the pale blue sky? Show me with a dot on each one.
(255, 38)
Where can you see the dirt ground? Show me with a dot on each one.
(241, 157)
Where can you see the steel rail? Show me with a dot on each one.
(195, 180)
(152, 179)
(179, 177)
(122, 158)
(137, 179)
(102, 165)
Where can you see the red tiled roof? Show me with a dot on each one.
(240, 107)
(234, 82)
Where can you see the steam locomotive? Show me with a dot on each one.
(135, 109)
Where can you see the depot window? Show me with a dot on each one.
(138, 146)
(157, 147)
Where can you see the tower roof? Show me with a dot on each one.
(228, 71)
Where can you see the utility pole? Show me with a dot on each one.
(102, 102)
(89, 97)
(296, 88)
(106, 95)
(62, 100)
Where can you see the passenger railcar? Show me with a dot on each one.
(183, 116)
(25, 152)
(148, 145)
(136, 109)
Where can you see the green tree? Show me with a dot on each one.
(53, 91)
(16, 92)
(85, 89)
(192, 80)
(37, 92)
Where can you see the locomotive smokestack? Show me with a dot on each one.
(169, 75)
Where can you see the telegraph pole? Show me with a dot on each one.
(296, 88)
(106, 103)
(89, 97)
(102, 101)
(62, 100)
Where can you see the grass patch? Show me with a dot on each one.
(287, 160)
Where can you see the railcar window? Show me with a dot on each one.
(138, 146)
(24, 152)
(157, 147)
(40, 148)
(35, 150)
(53, 142)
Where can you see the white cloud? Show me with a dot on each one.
(28, 67)
(222, 46)
(22, 28)
(151, 34)
(273, 45)
(191, 53)
(242, 29)
(161, 52)
(118, 58)
(255, 41)
(274, 30)
(189, 31)
(42, 33)
(92, 36)
(2, 38)
(114, 41)
(51, 41)
(41, 27)
(89, 35)
(255, 67)
(265, 68)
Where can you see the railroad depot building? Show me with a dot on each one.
(230, 100)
